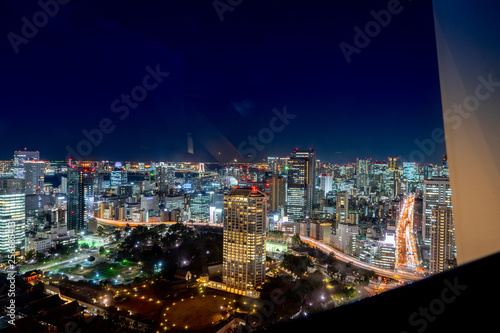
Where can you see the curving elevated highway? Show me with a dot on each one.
(401, 276)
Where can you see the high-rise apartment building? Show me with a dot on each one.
(437, 191)
(244, 241)
(80, 197)
(12, 217)
(442, 239)
(301, 179)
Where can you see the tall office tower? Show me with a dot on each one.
(393, 163)
(34, 176)
(410, 171)
(437, 191)
(300, 191)
(443, 251)
(342, 207)
(244, 240)
(22, 156)
(272, 165)
(363, 169)
(278, 192)
(326, 183)
(379, 170)
(64, 185)
(162, 178)
(199, 206)
(80, 197)
(12, 218)
(118, 178)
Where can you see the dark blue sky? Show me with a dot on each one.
(225, 78)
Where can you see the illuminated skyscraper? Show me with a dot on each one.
(326, 184)
(393, 163)
(12, 216)
(363, 172)
(80, 198)
(278, 192)
(117, 178)
(410, 170)
(301, 178)
(342, 207)
(244, 240)
(437, 191)
(22, 156)
(443, 251)
(199, 206)
(34, 176)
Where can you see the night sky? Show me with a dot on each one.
(224, 79)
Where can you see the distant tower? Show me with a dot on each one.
(278, 192)
(363, 172)
(326, 184)
(34, 176)
(244, 240)
(393, 163)
(301, 179)
(22, 156)
(342, 207)
(80, 198)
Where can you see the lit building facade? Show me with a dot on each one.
(326, 184)
(118, 177)
(363, 172)
(34, 176)
(80, 198)
(278, 192)
(437, 191)
(12, 217)
(342, 206)
(300, 189)
(21, 156)
(443, 251)
(244, 241)
(199, 206)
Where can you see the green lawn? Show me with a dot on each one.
(105, 270)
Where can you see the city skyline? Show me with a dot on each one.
(241, 166)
